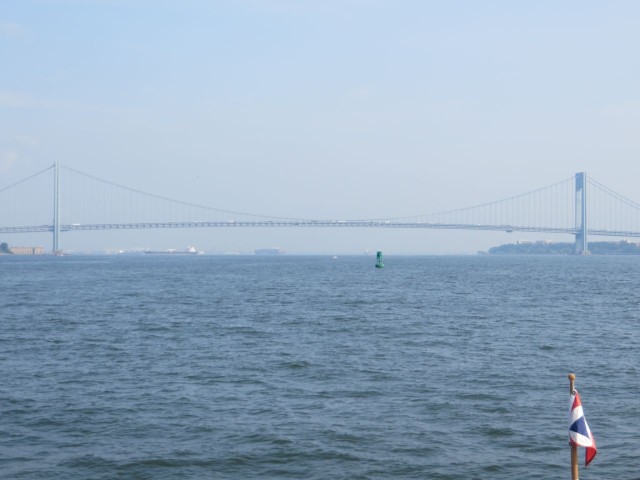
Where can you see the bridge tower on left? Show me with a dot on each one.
(56, 206)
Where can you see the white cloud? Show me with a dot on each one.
(13, 99)
(7, 159)
(26, 140)
(11, 29)
(361, 92)
(626, 111)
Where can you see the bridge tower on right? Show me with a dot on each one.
(581, 247)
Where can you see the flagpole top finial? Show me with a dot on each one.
(572, 376)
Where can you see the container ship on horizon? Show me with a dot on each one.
(191, 250)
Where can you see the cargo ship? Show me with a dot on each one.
(191, 250)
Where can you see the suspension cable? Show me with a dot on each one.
(25, 179)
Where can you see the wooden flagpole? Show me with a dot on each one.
(574, 448)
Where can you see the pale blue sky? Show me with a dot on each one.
(327, 109)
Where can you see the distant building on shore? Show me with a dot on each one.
(27, 250)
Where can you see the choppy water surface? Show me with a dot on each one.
(311, 367)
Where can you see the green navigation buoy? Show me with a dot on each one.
(379, 263)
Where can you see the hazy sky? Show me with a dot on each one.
(325, 109)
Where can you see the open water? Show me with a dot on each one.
(205, 367)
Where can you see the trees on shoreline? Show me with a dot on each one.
(561, 248)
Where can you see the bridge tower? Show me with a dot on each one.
(56, 207)
(581, 214)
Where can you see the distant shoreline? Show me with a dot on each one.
(623, 247)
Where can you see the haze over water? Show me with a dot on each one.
(173, 367)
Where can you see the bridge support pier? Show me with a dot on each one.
(581, 247)
(56, 207)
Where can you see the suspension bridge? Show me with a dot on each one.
(560, 208)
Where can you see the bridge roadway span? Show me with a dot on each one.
(311, 223)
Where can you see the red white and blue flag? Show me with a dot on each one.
(579, 433)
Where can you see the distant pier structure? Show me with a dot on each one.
(26, 250)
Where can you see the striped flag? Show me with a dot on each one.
(579, 433)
